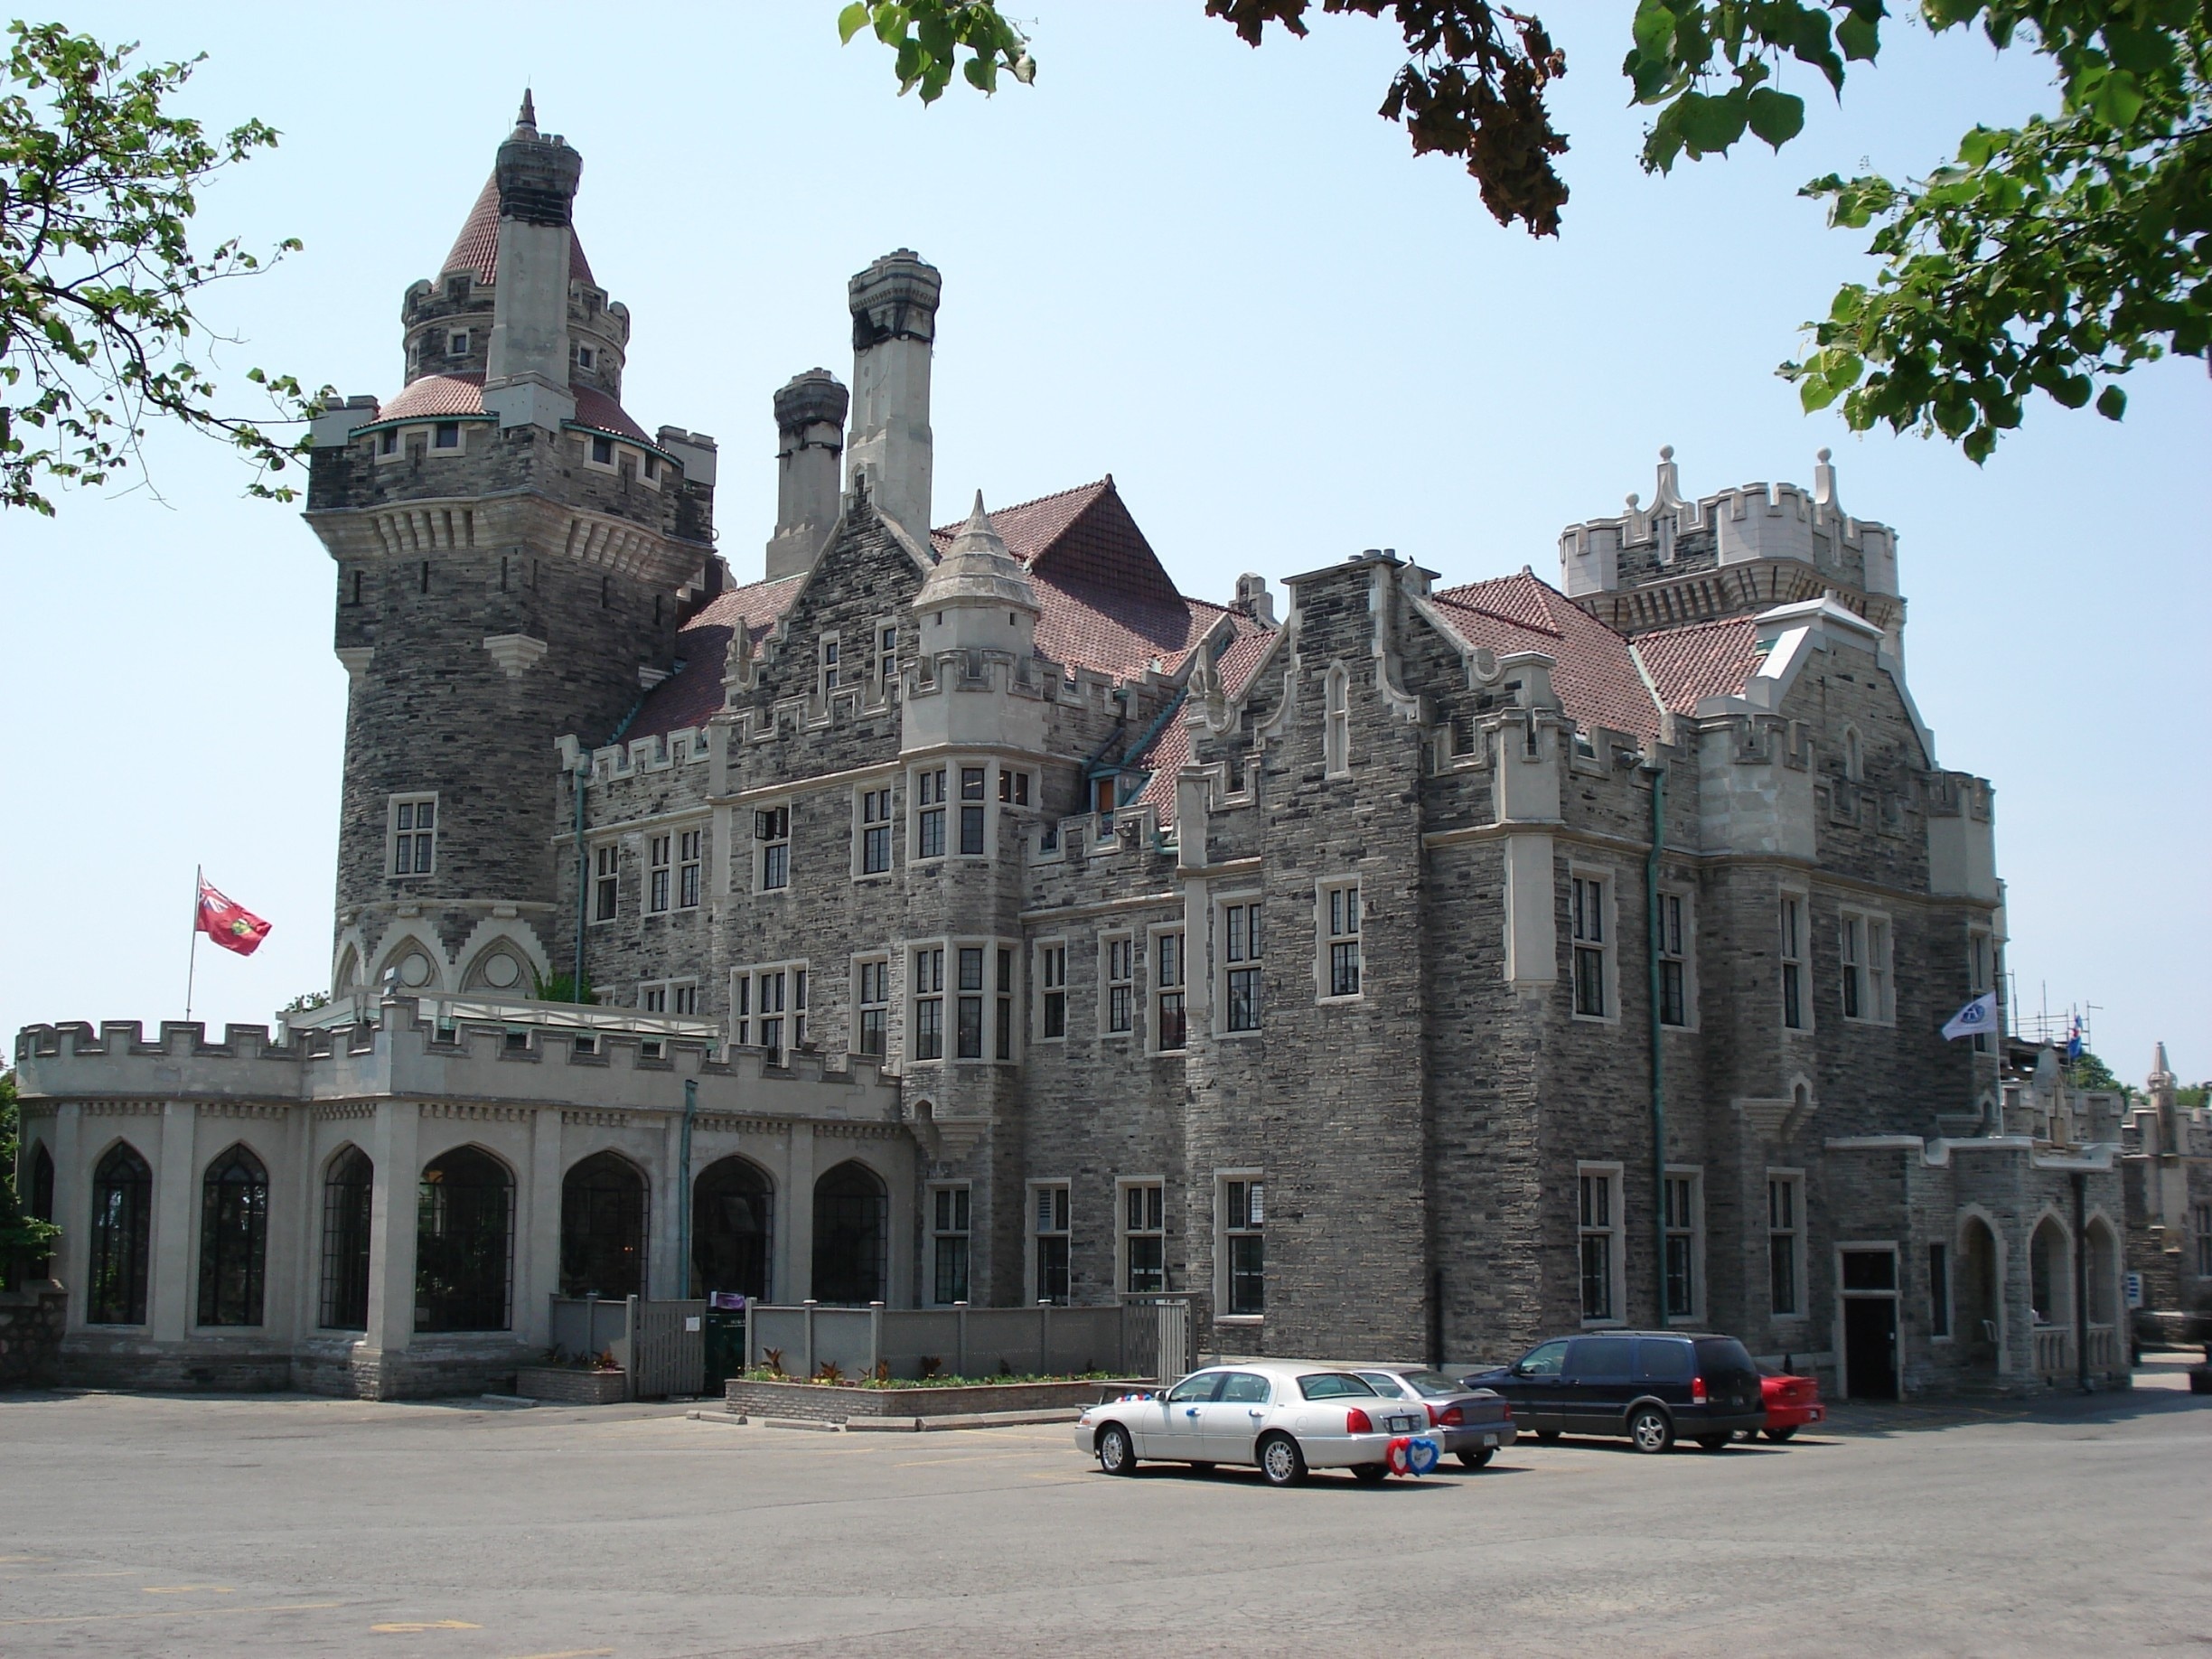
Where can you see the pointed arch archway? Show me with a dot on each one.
(732, 1229)
(605, 1200)
(121, 1237)
(234, 1203)
(464, 1244)
(349, 1189)
(852, 1235)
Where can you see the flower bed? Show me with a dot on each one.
(836, 1402)
(572, 1385)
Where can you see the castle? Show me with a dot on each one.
(973, 916)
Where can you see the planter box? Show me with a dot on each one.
(837, 1403)
(571, 1387)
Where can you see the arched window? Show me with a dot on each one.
(2050, 1277)
(852, 1216)
(732, 1229)
(347, 1190)
(464, 1244)
(1336, 728)
(41, 1200)
(233, 1239)
(603, 1206)
(122, 1212)
(1854, 756)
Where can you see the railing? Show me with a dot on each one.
(1149, 1339)
(2054, 1350)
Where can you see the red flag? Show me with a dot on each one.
(231, 926)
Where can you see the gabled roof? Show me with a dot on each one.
(693, 695)
(1594, 674)
(431, 396)
(476, 250)
(1708, 660)
(1170, 749)
(1080, 538)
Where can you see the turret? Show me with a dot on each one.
(978, 597)
(526, 371)
(809, 416)
(895, 324)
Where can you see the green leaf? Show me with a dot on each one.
(1776, 116)
(890, 22)
(2111, 403)
(2118, 99)
(851, 21)
(1859, 37)
(1710, 124)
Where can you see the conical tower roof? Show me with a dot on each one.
(476, 248)
(977, 570)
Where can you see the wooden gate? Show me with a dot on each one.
(1156, 1336)
(668, 1348)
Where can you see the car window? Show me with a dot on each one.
(1244, 1388)
(1544, 1360)
(1663, 1361)
(1430, 1384)
(1383, 1384)
(1597, 1358)
(1721, 1355)
(1333, 1385)
(1196, 1387)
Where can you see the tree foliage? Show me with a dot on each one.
(21, 1235)
(98, 184)
(2054, 256)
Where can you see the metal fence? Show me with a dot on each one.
(1150, 1338)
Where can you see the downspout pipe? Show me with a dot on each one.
(683, 1192)
(1658, 1056)
(583, 771)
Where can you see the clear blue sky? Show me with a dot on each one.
(1212, 272)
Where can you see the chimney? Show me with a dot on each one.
(529, 351)
(809, 416)
(894, 320)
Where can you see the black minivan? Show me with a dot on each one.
(1649, 1385)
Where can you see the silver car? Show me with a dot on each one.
(1284, 1416)
(1471, 1423)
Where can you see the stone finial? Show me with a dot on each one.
(1825, 481)
(737, 660)
(978, 570)
(2161, 1075)
(1669, 491)
(528, 118)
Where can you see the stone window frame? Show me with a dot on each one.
(764, 846)
(1794, 1180)
(411, 800)
(1048, 974)
(466, 337)
(690, 864)
(1156, 993)
(1879, 941)
(953, 1220)
(1250, 1177)
(1034, 1234)
(1943, 1309)
(670, 992)
(1609, 1224)
(660, 871)
(984, 810)
(887, 785)
(1793, 953)
(1337, 722)
(1692, 1228)
(585, 356)
(1606, 946)
(1254, 962)
(926, 985)
(389, 444)
(862, 1005)
(1124, 1232)
(1686, 898)
(606, 868)
(2200, 1220)
(1109, 982)
(829, 659)
(1851, 749)
(883, 665)
(438, 444)
(748, 997)
(941, 773)
(1324, 940)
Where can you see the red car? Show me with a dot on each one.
(1792, 1403)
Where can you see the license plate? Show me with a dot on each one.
(1489, 1439)
(1818, 1414)
(1399, 1424)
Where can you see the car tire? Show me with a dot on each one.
(1282, 1463)
(1479, 1459)
(1116, 1455)
(1650, 1429)
(1716, 1442)
(1549, 1437)
(1370, 1474)
(1779, 1435)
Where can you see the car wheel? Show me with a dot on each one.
(1650, 1429)
(1716, 1442)
(1202, 1468)
(1116, 1455)
(1280, 1461)
(1779, 1435)
(1549, 1437)
(1369, 1474)
(1479, 1459)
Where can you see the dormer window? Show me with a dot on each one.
(585, 357)
(457, 344)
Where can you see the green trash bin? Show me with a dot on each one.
(726, 1339)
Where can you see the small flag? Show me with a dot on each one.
(1976, 1017)
(2074, 1042)
(231, 926)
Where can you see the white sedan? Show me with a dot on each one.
(1285, 1417)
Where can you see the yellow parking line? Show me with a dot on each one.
(571, 1653)
(103, 1619)
(181, 1590)
(397, 1628)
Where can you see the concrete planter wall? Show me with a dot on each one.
(31, 1322)
(835, 1403)
(572, 1387)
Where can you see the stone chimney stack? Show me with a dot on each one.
(538, 180)
(809, 416)
(895, 322)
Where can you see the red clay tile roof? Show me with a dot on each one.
(1170, 750)
(1595, 676)
(435, 395)
(1709, 660)
(476, 248)
(693, 695)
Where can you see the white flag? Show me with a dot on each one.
(1973, 1019)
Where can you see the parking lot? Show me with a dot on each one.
(144, 1524)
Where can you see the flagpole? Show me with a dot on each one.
(191, 960)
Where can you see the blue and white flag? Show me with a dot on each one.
(1976, 1017)
(2074, 1042)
